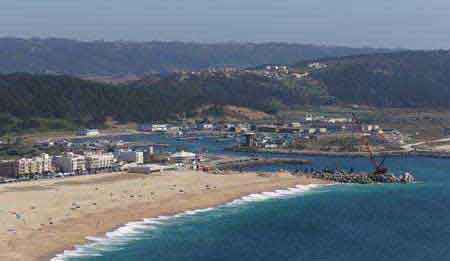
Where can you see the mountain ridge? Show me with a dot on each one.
(103, 58)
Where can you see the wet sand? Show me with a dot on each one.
(40, 219)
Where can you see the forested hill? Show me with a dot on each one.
(30, 101)
(404, 79)
(122, 58)
(408, 79)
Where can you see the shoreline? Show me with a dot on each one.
(189, 212)
(36, 242)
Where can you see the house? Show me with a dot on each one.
(159, 128)
(339, 120)
(46, 144)
(250, 140)
(183, 156)
(89, 132)
(309, 118)
(229, 127)
(317, 66)
(312, 130)
(295, 125)
(153, 127)
(271, 146)
(207, 126)
(370, 128)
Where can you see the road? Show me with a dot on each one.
(410, 147)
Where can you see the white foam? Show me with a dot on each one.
(152, 221)
(135, 230)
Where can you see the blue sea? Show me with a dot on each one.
(338, 222)
(414, 24)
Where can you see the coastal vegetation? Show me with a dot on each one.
(66, 101)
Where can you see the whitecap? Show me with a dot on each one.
(135, 230)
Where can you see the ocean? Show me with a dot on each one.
(337, 222)
(413, 24)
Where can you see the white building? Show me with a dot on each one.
(312, 130)
(159, 127)
(130, 156)
(295, 125)
(323, 130)
(35, 165)
(208, 126)
(339, 120)
(229, 127)
(89, 132)
(97, 161)
(300, 75)
(317, 66)
(71, 162)
(150, 168)
(183, 156)
(370, 128)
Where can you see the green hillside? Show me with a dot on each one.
(121, 58)
(405, 79)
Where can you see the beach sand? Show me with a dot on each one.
(42, 218)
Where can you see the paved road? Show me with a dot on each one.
(410, 147)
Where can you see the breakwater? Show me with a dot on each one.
(253, 162)
(361, 178)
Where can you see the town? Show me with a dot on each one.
(92, 152)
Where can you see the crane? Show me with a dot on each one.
(379, 168)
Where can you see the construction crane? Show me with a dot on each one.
(379, 168)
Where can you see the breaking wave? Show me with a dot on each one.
(117, 239)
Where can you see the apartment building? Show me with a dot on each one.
(33, 166)
(130, 156)
(7, 169)
(98, 161)
(71, 163)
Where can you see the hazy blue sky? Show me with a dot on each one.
(378, 23)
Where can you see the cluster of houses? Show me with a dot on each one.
(204, 126)
(88, 162)
(283, 71)
(311, 127)
(307, 126)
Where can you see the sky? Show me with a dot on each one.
(414, 24)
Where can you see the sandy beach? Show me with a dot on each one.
(40, 219)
